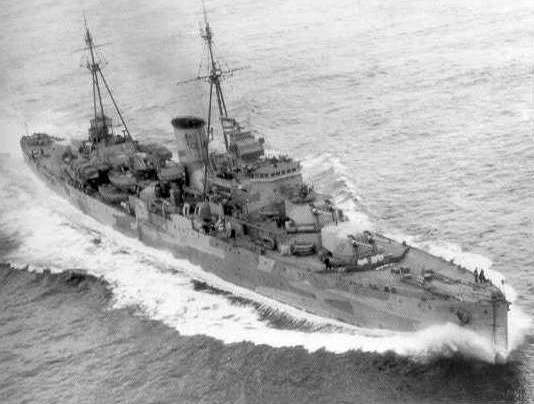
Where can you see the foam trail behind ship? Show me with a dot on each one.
(53, 234)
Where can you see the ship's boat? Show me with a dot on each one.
(85, 170)
(82, 171)
(118, 159)
(122, 180)
(112, 194)
(119, 150)
(171, 172)
(155, 153)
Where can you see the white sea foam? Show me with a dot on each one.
(55, 235)
(326, 168)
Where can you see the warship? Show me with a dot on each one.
(248, 217)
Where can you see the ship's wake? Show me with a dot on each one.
(48, 233)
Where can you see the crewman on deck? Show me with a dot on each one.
(476, 275)
(482, 277)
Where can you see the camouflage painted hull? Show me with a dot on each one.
(357, 299)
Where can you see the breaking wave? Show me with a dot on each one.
(51, 234)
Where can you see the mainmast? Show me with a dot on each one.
(96, 73)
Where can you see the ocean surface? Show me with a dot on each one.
(416, 115)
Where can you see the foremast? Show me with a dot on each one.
(214, 77)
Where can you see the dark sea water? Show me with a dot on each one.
(416, 115)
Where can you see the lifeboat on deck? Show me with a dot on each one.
(85, 170)
(156, 153)
(171, 172)
(122, 180)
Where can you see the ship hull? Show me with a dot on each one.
(304, 286)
